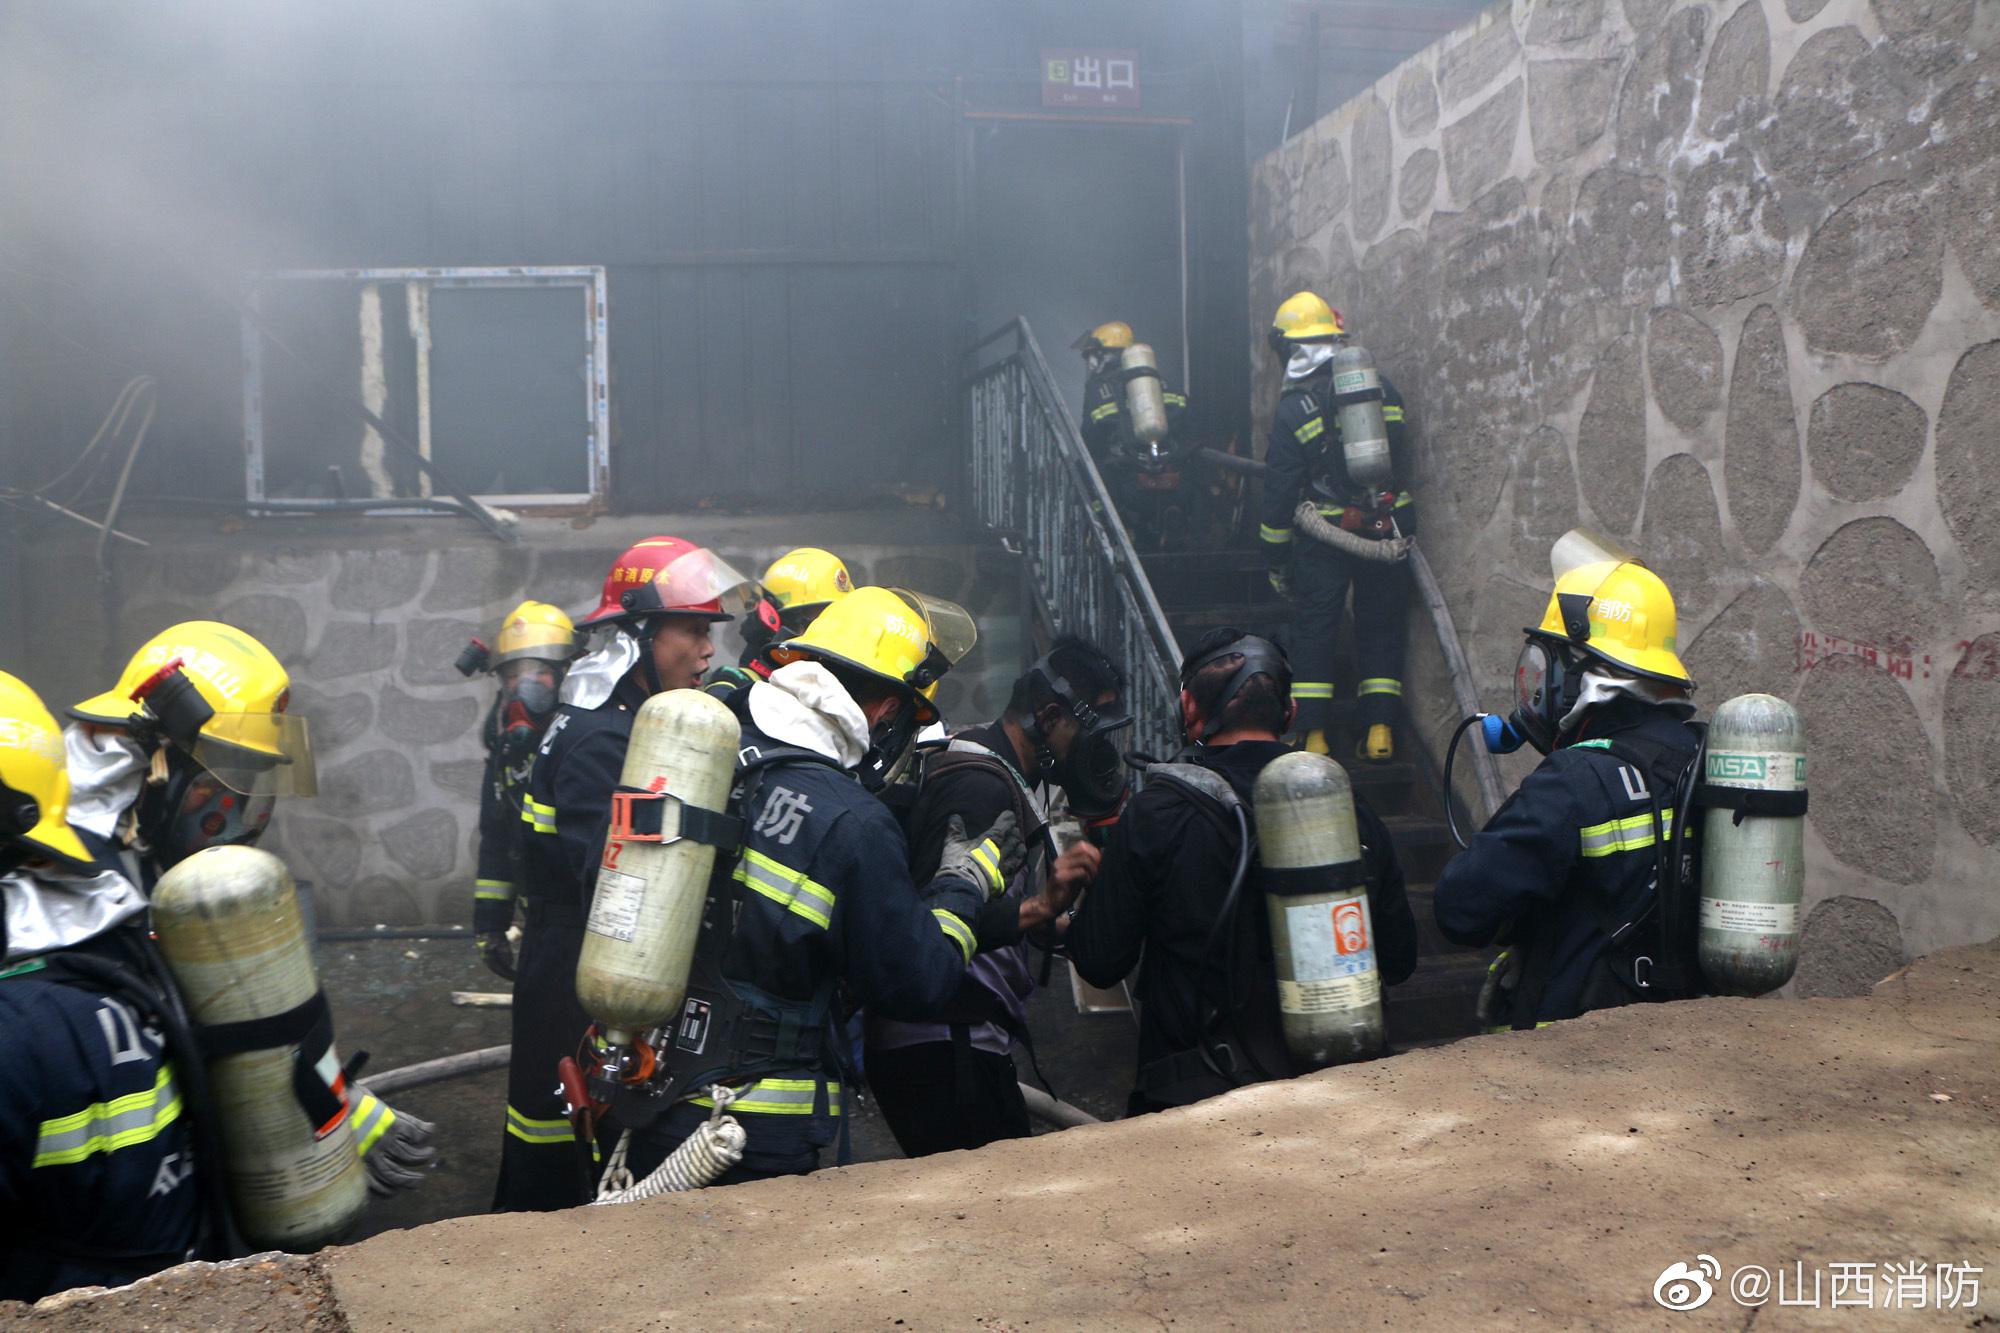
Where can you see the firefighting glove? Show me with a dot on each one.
(496, 952)
(492, 914)
(989, 859)
(1281, 581)
(394, 1145)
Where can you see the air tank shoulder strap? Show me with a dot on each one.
(1211, 791)
(1028, 815)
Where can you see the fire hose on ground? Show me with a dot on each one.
(1047, 1109)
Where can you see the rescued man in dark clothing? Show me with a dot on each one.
(1207, 997)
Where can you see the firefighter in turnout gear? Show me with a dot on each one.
(820, 902)
(796, 588)
(659, 603)
(1209, 1016)
(528, 659)
(1324, 529)
(1107, 424)
(97, 1141)
(1578, 873)
(189, 750)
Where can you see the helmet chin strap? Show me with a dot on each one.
(649, 668)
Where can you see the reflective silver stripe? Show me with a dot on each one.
(541, 818)
(105, 1127)
(492, 889)
(789, 888)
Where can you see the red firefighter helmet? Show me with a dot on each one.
(667, 576)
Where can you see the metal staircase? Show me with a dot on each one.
(1033, 483)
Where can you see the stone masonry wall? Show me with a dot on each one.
(1719, 278)
(368, 617)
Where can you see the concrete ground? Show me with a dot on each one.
(1545, 1178)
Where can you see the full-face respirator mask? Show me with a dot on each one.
(1092, 771)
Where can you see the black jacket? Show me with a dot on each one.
(1303, 460)
(501, 788)
(97, 1180)
(566, 806)
(1107, 426)
(1167, 867)
(1571, 851)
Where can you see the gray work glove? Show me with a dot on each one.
(989, 859)
(496, 952)
(395, 1146)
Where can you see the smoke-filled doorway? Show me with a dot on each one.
(1074, 224)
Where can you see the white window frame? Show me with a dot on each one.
(588, 278)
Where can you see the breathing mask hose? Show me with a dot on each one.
(1450, 755)
(1225, 920)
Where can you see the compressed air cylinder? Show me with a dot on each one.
(645, 915)
(1145, 399)
(1357, 406)
(1322, 939)
(1752, 864)
(229, 925)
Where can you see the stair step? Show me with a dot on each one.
(1423, 845)
(1430, 940)
(1375, 778)
(1167, 564)
(1247, 615)
(1417, 830)
(1437, 1002)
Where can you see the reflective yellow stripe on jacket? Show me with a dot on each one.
(1623, 835)
(958, 931)
(780, 1096)
(541, 818)
(788, 888)
(1271, 534)
(530, 1130)
(492, 889)
(105, 1127)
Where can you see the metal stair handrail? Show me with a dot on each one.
(1033, 480)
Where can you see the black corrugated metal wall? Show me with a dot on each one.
(776, 190)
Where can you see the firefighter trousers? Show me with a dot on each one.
(1321, 577)
(541, 1165)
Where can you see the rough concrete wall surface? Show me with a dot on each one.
(369, 618)
(1718, 278)
(1528, 1179)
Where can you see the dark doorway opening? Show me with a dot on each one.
(1076, 224)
